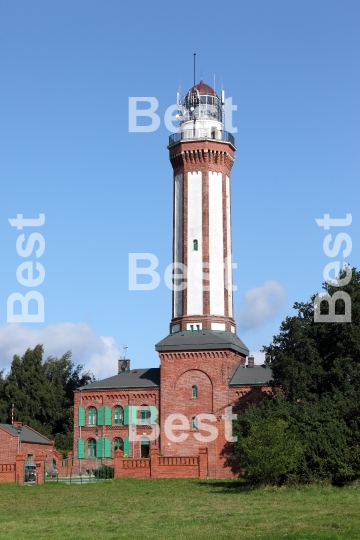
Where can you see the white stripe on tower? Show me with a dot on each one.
(194, 257)
(229, 253)
(216, 242)
(178, 238)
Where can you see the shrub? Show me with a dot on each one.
(268, 450)
(104, 472)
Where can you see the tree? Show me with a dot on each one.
(316, 384)
(42, 392)
(268, 449)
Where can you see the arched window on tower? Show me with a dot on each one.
(195, 245)
(194, 392)
(194, 424)
(92, 416)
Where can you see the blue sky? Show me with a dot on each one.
(68, 70)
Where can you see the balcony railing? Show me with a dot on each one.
(191, 134)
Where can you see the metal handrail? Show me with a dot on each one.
(190, 134)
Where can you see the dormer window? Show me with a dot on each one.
(195, 245)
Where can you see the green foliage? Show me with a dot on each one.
(316, 370)
(268, 449)
(64, 442)
(42, 392)
(104, 472)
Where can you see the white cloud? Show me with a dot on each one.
(261, 305)
(99, 354)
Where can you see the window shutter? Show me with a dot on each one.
(100, 416)
(107, 447)
(126, 446)
(99, 447)
(107, 416)
(153, 414)
(126, 416)
(81, 448)
(81, 416)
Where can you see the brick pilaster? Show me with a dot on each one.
(203, 462)
(154, 461)
(19, 468)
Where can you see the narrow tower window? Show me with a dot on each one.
(194, 392)
(195, 245)
(194, 423)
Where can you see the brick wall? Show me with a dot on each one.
(8, 447)
(161, 466)
(7, 472)
(210, 372)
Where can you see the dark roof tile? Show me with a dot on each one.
(202, 340)
(136, 378)
(27, 434)
(254, 376)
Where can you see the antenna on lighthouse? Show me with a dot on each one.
(194, 66)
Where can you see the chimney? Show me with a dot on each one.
(17, 424)
(123, 365)
(251, 361)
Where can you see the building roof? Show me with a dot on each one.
(254, 376)
(27, 434)
(136, 378)
(203, 89)
(202, 340)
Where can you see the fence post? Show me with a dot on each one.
(118, 463)
(40, 468)
(69, 463)
(20, 468)
(154, 461)
(203, 462)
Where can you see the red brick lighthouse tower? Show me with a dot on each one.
(202, 351)
(202, 156)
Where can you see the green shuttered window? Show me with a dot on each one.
(127, 446)
(107, 447)
(99, 448)
(100, 418)
(118, 415)
(81, 416)
(103, 447)
(81, 448)
(107, 416)
(104, 416)
(153, 414)
(126, 415)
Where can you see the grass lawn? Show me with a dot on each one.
(176, 509)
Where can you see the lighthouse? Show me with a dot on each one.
(202, 351)
(202, 155)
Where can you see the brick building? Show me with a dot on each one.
(203, 368)
(16, 439)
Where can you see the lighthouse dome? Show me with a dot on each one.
(203, 89)
(201, 104)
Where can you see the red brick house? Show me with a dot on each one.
(203, 369)
(16, 439)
